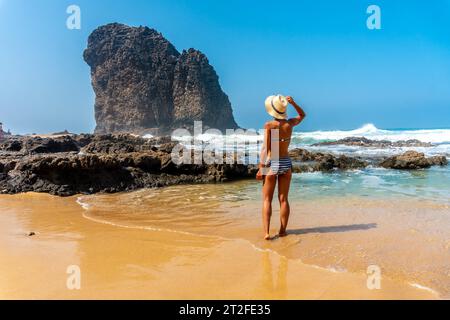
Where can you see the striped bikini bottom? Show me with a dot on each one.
(280, 166)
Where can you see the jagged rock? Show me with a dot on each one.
(412, 160)
(197, 94)
(118, 143)
(82, 139)
(364, 142)
(143, 85)
(109, 163)
(11, 145)
(123, 162)
(307, 161)
(60, 133)
(49, 145)
(40, 145)
(438, 160)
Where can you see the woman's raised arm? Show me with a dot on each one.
(301, 114)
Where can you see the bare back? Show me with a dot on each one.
(284, 136)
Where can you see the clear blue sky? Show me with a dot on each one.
(321, 52)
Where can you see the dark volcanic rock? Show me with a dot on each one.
(117, 143)
(197, 94)
(143, 84)
(412, 160)
(108, 163)
(11, 145)
(50, 145)
(119, 162)
(308, 161)
(364, 142)
(32, 145)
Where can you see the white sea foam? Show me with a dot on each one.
(84, 205)
(370, 131)
(249, 141)
(421, 287)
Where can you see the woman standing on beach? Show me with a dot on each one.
(275, 163)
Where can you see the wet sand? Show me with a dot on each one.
(215, 259)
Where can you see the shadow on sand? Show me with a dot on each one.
(331, 229)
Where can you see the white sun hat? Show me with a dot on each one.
(276, 106)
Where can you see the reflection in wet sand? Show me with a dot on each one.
(274, 285)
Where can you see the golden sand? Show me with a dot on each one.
(142, 262)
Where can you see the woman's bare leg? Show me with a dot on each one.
(284, 183)
(268, 189)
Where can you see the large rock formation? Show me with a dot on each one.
(144, 85)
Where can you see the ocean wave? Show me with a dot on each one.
(250, 141)
(370, 131)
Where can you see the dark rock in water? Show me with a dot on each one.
(143, 85)
(317, 161)
(412, 160)
(364, 142)
(438, 160)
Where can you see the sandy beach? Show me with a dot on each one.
(167, 244)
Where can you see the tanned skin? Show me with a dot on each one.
(285, 128)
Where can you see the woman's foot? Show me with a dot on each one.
(267, 237)
(282, 234)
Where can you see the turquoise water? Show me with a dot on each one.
(427, 184)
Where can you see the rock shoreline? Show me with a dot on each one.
(70, 165)
(364, 142)
(88, 163)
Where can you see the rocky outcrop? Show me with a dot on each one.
(33, 145)
(197, 94)
(412, 160)
(143, 84)
(103, 163)
(307, 161)
(364, 142)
